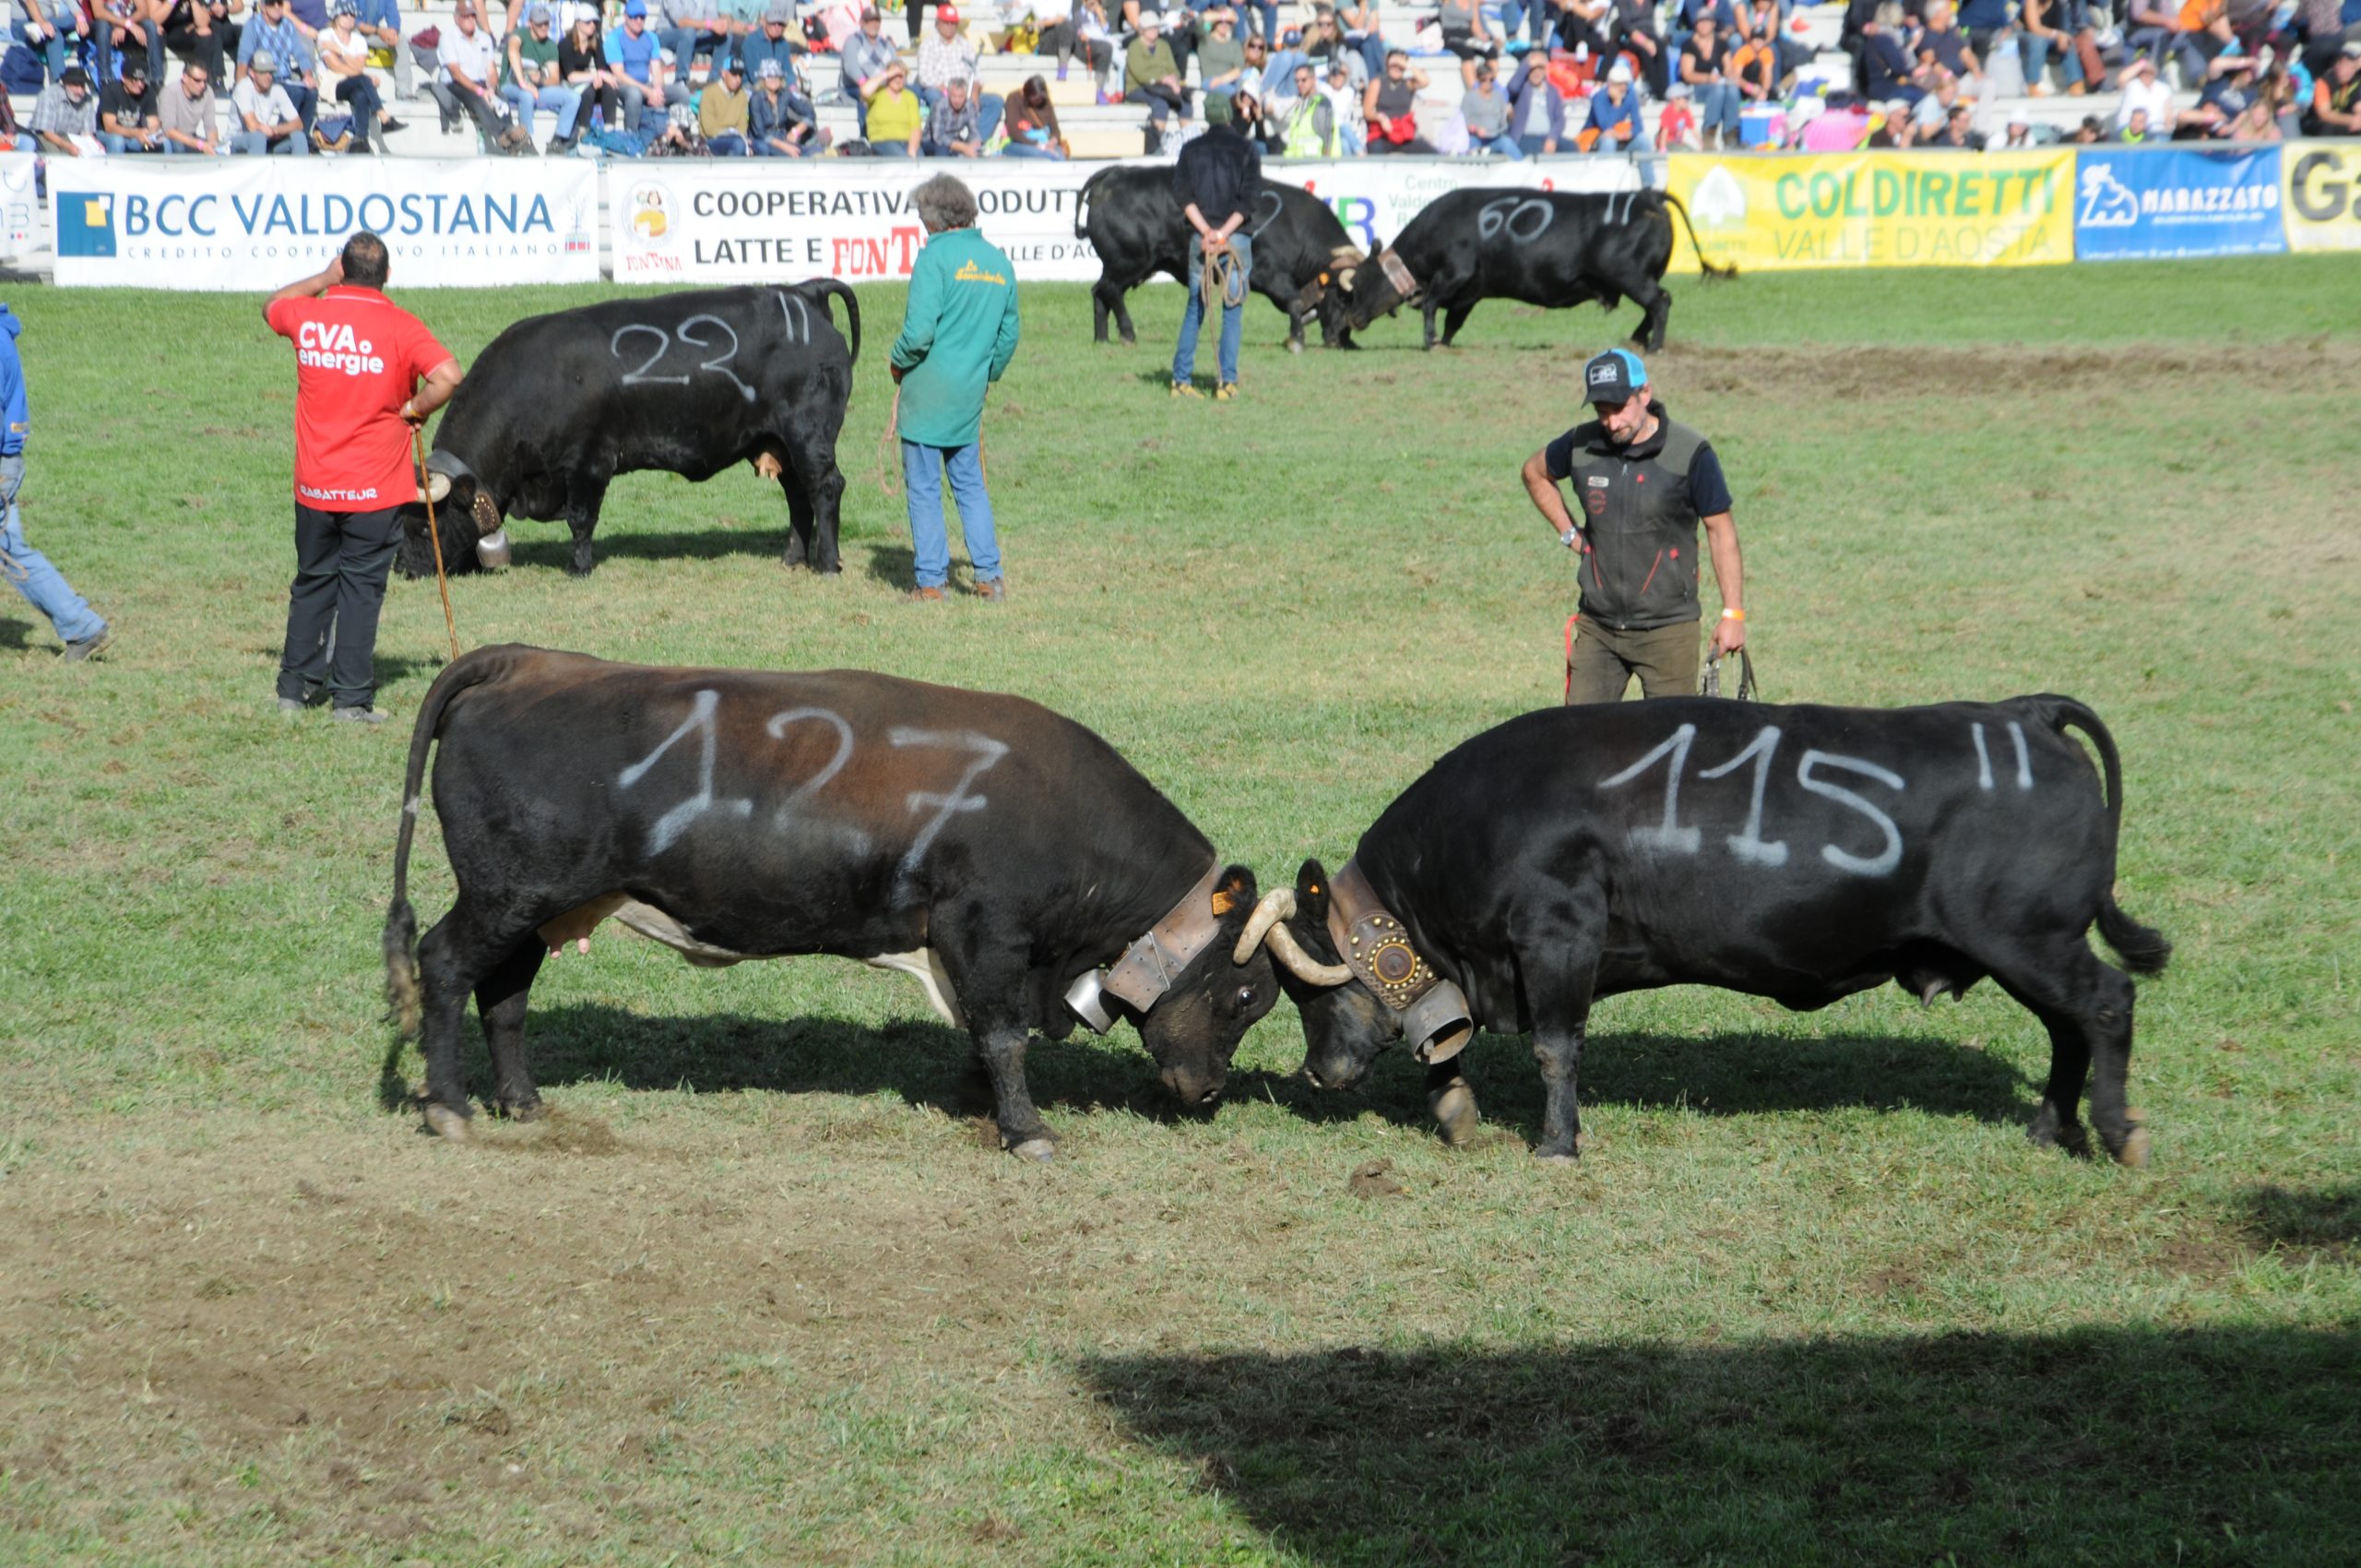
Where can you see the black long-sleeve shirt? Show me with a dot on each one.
(1221, 173)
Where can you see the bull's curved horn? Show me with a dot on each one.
(1346, 255)
(438, 487)
(1267, 923)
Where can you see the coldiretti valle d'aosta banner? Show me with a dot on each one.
(1877, 210)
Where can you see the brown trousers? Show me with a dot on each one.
(1603, 660)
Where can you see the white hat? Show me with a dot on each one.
(1619, 72)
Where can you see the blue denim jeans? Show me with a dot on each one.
(1193, 314)
(687, 43)
(52, 50)
(124, 144)
(923, 470)
(260, 142)
(1718, 107)
(43, 585)
(1504, 144)
(565, 104)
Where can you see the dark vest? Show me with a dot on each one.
(1632, 502)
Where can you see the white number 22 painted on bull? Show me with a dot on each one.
(664, 346)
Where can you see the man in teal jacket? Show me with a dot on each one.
(957, 337)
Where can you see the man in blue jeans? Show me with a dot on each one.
(958, 334)
(1217, 180)
(43, 585)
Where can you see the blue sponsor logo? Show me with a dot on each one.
(2174, 202)
(85, 222)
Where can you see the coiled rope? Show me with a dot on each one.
(1222, 284)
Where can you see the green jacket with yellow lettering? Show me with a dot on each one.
(957, 337)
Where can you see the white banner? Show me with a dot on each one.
(253, 223)
(730, 221)
(19, 206)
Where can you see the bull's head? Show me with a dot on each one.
(1368, 293)
(1329, 297)
(1193, 1029)
(1344, 1025)
(467, 523)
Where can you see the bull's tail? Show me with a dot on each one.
(1710, 269)
(400, 941)
(2144, 949)
(821, 288)
(1083, 198)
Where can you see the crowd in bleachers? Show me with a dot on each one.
(1508, 79)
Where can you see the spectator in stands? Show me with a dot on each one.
(742, 20)
(471, 75)
(1302, 118)
(1538, 110)
(1390, 104)
(895, 115)
(1986, 23)
(1759, 24)
(945, 55)
(725, 110)
(1151, 76)
(1631, 30)
(2017, 137)
(1725, 15)
(2142, 91)
(55, 30)
(1754, 64)
(2154, 27)
(2336, 96)
(582, 62)
(1215, 182)
(534, 80)
(1345, 110)
(1676, 127)
(2318, 23)
(1934, 111)
(954, 129)
(770, 41)
(1484, 110)
(782, 120)
(1614, 116)
(1032, 124)
(1278, 65)
(344, 73)
(2202, 30)
(1268, 13)
(1063, 36)
(959, 332)
(1221, 58)
(2064, 27)
(65, 115)
(2229, 88)
(1704, 69)
(635, 53)
(191, 118)
(381, 23)
(1943, 46)
(78, 626)
(688, 29)
(2090, 133)
(1464, 35)
(127, 118)
(1325, 43)
(2136, 130)
(1582, 27)
(267, 121)
(278, 35)
(1892, 70)
(1893, 127)
(1357, 21)
(1258, 66)
(190, 28)
(865, 57)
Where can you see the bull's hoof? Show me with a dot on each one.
(447, 1124)
(2133, 1154)
(522, 1109)
(2047, 1132)
(1036, 1149)
(1294, 345)
(1565, 1159)
(1454, 1110)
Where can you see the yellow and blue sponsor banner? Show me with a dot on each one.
(2174, 201)
(1875, 208)
(2320, 195)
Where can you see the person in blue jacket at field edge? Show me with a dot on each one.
(43, 585)
(958, 335)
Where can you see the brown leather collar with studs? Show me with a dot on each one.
(1376, 946)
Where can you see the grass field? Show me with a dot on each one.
(764, 1290)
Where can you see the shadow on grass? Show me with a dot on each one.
(550, 545)
(2102, 1446)
(16, 636)
(2326, 1219)
(1727, 1075)
(928, 1063)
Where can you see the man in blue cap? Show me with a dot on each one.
(1644, 484)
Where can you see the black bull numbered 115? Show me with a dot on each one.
(1798, 854)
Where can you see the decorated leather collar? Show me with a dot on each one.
(1150, 965)
(1397, 273)
(1377, 947)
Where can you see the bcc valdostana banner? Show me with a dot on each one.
(1876, 209)
(249, 224)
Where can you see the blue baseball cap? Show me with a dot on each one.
(1613, 376)
(635, 7)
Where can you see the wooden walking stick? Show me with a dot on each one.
(434, 537)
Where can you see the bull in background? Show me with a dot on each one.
(1797, 853)
(1540, 247)
(995, 851)
(689, 384)
(1135, 223)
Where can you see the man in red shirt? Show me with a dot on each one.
(359, 360)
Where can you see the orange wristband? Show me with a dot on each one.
(1728, 614)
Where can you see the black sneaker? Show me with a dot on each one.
(388, 125)
(87, 647)
(357, 716)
